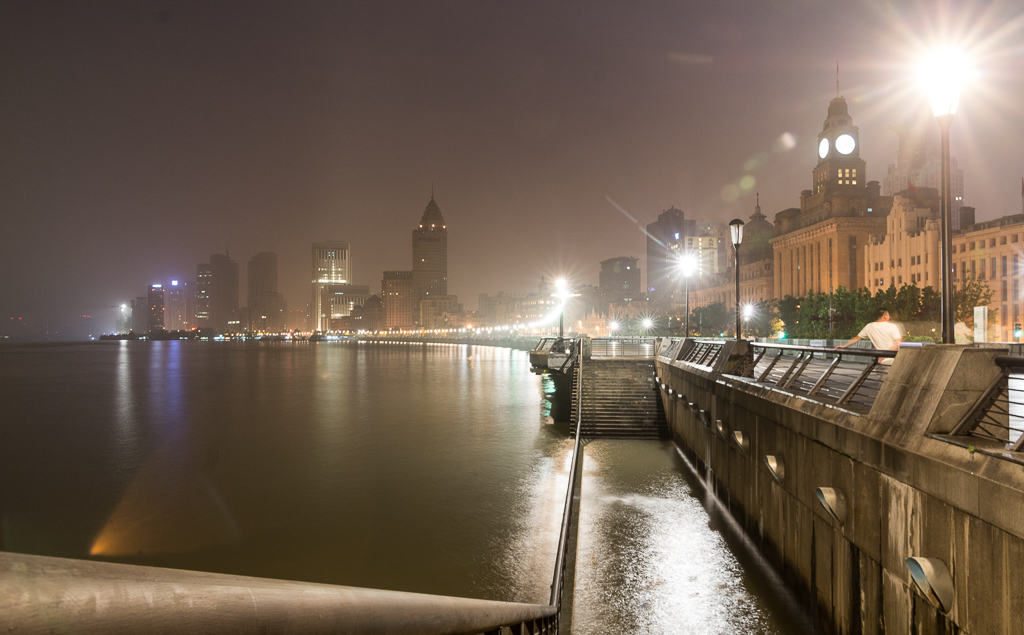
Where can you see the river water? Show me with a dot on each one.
(431, 468)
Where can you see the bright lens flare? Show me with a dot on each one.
(687, 265)
(942, 74)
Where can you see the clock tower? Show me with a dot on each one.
(839, 163)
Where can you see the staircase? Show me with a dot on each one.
(620, 399)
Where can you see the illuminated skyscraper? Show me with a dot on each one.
(332, 266)
(430, 254)
(399, 299)
(176, 316)
(155, 308)
(216, 293)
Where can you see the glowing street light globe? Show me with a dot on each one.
(942, 73)
(687, 265)
(648, 323)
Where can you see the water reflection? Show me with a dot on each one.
(648, 562)
(411, 467)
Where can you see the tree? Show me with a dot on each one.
(972, 292)
(711, 320)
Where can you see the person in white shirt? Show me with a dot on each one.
(883, 334)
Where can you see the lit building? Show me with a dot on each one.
(430, 254)
(821, 245)
(340, 300)
(908, 251)
(155, 308)
(992, 251)
(399, 300)
(204, 280)
(266, 305)
(331, 267)
(217, 293)
(619, 280)
(666, 239)
(176, 317)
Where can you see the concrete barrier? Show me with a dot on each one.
(907, 494)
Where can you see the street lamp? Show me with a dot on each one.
(613, 326)
(736, 228)
(687, 265)
(942, 74)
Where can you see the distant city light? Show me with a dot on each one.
(174, 283)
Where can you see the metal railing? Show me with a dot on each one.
(570, 358)
(558, 581)
(846, 377)
(645, 347)
(545, 344)
(998, 417)
(40, 594)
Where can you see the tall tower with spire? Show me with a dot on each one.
(430, 254)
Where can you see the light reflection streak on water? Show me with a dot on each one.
(648, 562)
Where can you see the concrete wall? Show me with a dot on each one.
(907, 494)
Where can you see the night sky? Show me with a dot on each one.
(137, 138)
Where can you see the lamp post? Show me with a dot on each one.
(687, 265)
(942, 74)
(736, 228)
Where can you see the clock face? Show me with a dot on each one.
(823, 148)
(845, 144)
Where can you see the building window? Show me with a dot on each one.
(1002, 241)
(1004, 265)
(1013, 238)
(992, 242)
(1003, 295)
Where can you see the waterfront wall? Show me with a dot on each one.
(907, 493)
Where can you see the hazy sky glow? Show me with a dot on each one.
(137, 138)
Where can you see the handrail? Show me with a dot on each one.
(998, 416)
(39, 594)
(854, 383)
(563, 537)
(45, 594)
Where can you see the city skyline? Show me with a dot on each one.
(142, 138)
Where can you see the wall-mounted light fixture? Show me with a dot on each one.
(834, 503)
(693, 407)
(720, 426)
(705, 418)
(775, 467)
(741, 440)
(932, 579)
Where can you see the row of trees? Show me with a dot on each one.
(842, 314)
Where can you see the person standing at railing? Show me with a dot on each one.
(883, 335)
